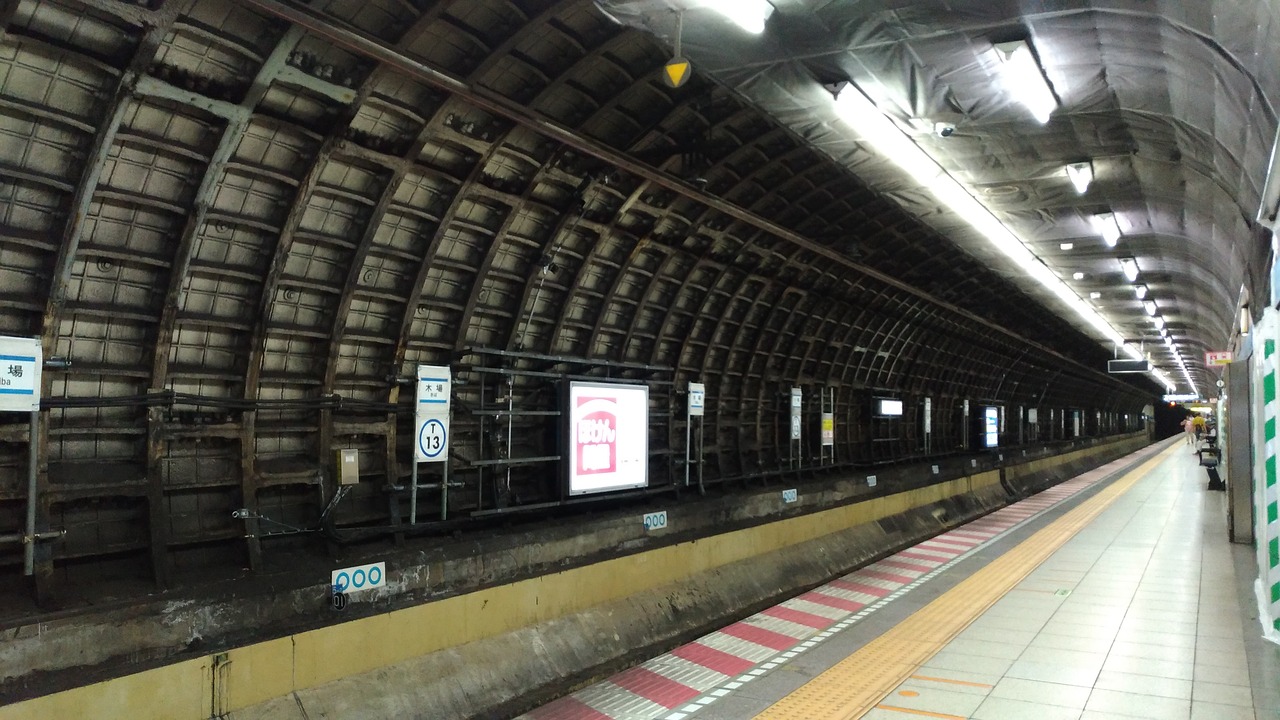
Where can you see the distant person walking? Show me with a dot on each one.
(1189, 430)
(1198, 424)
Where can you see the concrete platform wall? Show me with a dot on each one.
(499, 649)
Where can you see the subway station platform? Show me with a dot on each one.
(1113, 595)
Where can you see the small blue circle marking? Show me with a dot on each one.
(432, 438)
(357, 579)
(375, 570)
(342, 582)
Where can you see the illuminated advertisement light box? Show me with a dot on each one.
(991, 427)
(886, 407)
(608, 440)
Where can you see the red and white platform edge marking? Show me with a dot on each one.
(692, 676)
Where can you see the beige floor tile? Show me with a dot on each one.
(1219, 694)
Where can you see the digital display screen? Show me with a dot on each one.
(608, 442)
(886, 407)
(990, 427)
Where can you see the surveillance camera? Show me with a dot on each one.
(944, 129)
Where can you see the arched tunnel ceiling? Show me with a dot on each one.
(1173, 102)
(244, 223)
(208, 198)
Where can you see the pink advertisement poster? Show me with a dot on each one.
(608, 437)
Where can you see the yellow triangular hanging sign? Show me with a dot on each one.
(677, 72)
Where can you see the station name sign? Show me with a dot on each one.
(20, 361)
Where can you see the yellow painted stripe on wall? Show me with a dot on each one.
(259, 672)
(180, 690)
(466, 618)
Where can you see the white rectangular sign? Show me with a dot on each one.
(361, 577)
(655, 520)
(828, 429)
(888, 407)
(790, 496)
(1217, 358)
(990, 427)
(431, 414)
(697, 399)
(608, 444)
(20, 362)
(795, 413)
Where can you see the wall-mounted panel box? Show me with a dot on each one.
(347, 466)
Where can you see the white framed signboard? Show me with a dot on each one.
(697, 399)
(431, 414)
(990, 427)
(608, 437)
(20, 362)
(796, 402)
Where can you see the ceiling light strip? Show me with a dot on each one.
(750, 15)
(1081, 175)
(878, 131)
(1107, 227)
(1025, 79)
(1129, 267)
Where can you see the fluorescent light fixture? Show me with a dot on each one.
(1081, 175)
(1095, 295)
(883, 136)
(1150, 307)
(750, 15)
(1025, 80)
(1140, 291)
(1077, 276)
(1107, 227)
(1130, 268)
(879, 132)
(1158, 321)
(1067, 246)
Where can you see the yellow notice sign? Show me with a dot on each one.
(677, 72)
(1217, 358)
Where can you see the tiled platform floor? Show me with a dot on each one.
(1143, 614)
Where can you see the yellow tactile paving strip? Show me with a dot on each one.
(858, 683)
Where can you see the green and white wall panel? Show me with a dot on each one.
(1267, 496)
